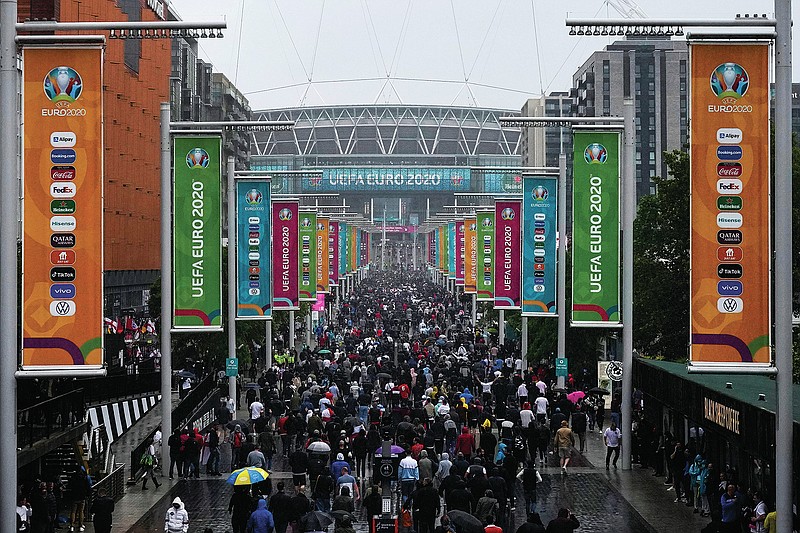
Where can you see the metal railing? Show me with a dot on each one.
(100, 390)
(42, 420)
(180, 415)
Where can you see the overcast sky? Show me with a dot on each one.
(379, 51)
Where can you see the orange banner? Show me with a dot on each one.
(62, 261)
(470, 255)
(730, 204)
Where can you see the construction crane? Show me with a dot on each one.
(627, 8)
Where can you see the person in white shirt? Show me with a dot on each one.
(611, 439)
(525, 415)
(542, 386)
(522, 393)
(541, 408)
(759, 513)
(256, 409)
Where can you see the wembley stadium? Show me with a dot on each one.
(418, 158)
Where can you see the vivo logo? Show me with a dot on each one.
(729, 288)
(62, 291)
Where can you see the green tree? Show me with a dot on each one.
(661, 264)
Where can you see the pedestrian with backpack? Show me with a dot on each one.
(148, 463)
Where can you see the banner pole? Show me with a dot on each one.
(501, 327)
(783, 265)
(524, 343)
(291, 329)
(9, 203)
(562, 256)
(231, 273)
(629, 215)
(268, 345)
(166, 282)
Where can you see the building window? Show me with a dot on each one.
(132, 49)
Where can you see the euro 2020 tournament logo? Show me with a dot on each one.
(320, 226)
(253, 197)
(507, 214)
(306, 222)
(285, 214)
(487, 223)
(595, 154)
(63, 84)
(540, 193)
(457, 180)
(729, 81)
(197, 158)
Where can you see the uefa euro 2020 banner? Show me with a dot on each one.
(470, 254)
(62, 226)
(253, 261)
(595, 229)
(285, 256)
(323, 254)
(485, 256)
(452, 250)
(539, 209)
(333, 245)
(197, 259)
(343, 247)
(460, 249)
(730, 303)
(308, 256)
(507, 254)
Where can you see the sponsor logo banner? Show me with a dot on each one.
(730, 237)
(470, 255)
(307, 276)
(323, 255)
(62, 246)
(485, 254)
(539, 211)
(333, 255)
(197, 241)
(343, 247)
(253, 221)
(595, 229)
(508, 254)
(451, 250)
(460, 250)
(285, 255)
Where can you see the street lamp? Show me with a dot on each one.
(782, 264)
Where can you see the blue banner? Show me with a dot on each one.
(377, 179)
(539, 276)
(509, 182)
(253, 268)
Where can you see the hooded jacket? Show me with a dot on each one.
(465, 443)
(444, 467)
(261, 520)
(177, 520)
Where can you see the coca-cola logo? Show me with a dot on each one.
(729, 170)
(62, 173)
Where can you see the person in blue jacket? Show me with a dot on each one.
(261, 520)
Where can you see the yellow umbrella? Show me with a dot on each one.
(247, 476)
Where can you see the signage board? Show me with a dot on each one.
(485, 254)
(253, 261)
(507, 254)
(539, 276)
(285, 255)
(62, 210)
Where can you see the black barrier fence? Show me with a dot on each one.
(190, 407)
(100, 390)
(46, 418)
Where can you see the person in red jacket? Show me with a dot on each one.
(465, 443)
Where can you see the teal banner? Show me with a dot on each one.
(197, 242)
(539, 211)
(343, 235)
(596, 229)
(451, 250)
(380, 179)
(253, 265)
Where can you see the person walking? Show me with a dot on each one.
(564, 441)
(176, 519)
(408, 474)
(240, 507)
(530, 477)
(212, 443)
(80, 486)
(237, 439)
(148, 462)
(565, 522)
(579, 427)
(611, 438)
(261, 521)
(731, 502)
(280, 507)
(102, 509)
(174, 443)
(533, 525)
(425, 505)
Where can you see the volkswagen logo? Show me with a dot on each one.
(730, 305)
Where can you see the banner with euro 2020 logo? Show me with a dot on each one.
(253, 261)
(730, 254)
(539, 209)
(285, 255)
(508, 255)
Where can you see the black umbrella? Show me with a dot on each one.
(465, 522)
(341, 514)
(233, 423)
(598, 390)
(316, 521)
(384, 375)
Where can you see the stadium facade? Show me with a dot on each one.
(407, 160)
